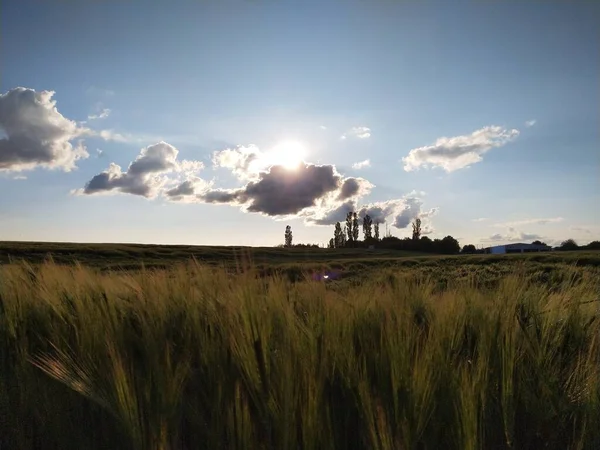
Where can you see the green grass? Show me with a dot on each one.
(418, 353)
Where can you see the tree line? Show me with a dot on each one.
(348, 237)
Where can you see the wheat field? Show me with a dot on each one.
(198, 357)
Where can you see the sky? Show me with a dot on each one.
(221, 122)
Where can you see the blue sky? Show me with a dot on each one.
(480, 117)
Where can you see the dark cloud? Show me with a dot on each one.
(183, 189)
(280, 191)
(145, 176)
(354, 187)
(36, 134)
(221, 196)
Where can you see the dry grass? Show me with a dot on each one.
(195, 358)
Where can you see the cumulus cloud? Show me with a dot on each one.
(400, 212)
(542, 221)
(354, 188)
(242, 160)
(36, 134)
(357, 132)
(459, 152)
(362, 164)
(145, 176)
(280, 191)
(530, 123)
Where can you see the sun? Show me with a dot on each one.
(289, 154)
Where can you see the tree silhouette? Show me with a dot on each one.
(337, 235)
(355, 228)
(288, 236)
(331, 243)
(376, 227)
(469, 249)
(344, 239)
(348, 228)
(568, 245)
(416, 226)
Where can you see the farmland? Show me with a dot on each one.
(174, 347)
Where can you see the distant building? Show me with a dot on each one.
(517, 248)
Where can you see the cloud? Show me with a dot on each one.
(99, 153)
(101, 115)
(19, 177)
(357, 132)
(111, 135)
(36, 134)
(242, 160)
(145, 176)
(581, 230)
(323, 127)
(543, 221)
(480, 219)
(362, 164)
(514, 235)
(189, 190)
(280, 191)
(354, 187)
(400, 212)
(530, 123)
(459, 152)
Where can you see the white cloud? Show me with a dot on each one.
(459, 152)
(19, 177)
(323, 127)
(480, 219)
(517, 223)
(530, 123)
(101, 115)
(111, 135)
(357, 132)
(36, 134)
(145, 176)
(362, 164)
(243, 161)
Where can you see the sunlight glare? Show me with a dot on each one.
(289, 154)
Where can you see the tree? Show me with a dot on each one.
(594, 245)
(569, 245)
(469, 249)
(416, 226)
(288, 236)
(367, 227)
(449, 246)
(331, 243)
(538, 243)
(337, 235)
(376, 231)
(355, 228)
(349, 226)
(344, 234)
